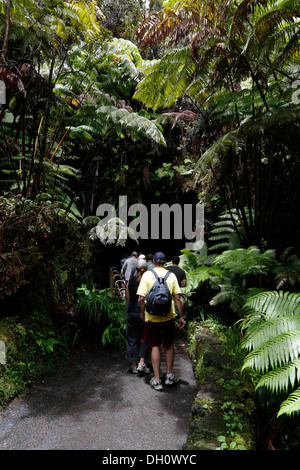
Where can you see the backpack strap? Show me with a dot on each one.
(164, 277)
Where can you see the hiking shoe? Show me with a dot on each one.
(171, 379)
(133, 369)
(156, 385)
(143, 368)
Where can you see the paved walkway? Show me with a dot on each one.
(91, 402)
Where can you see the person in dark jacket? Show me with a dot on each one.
(179, 272)
(136, 350)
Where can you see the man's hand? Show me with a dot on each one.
(179, 304)
(181, 322)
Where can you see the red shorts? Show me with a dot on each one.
(159, 333)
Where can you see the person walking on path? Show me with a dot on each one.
(159, 330)
(179, 272)
(129, 264)
(149, 259)
(136, 350)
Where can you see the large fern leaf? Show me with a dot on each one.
(281, 378)
(200, 275)
(274, 352)
(224, 234)
(272, 334)
(246, 261)
(104, 119)
(291, 405)
(114, 231)
(273, 304)
(166, 79)
(265, 330)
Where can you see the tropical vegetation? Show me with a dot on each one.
(164, 101)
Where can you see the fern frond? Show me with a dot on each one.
(225, 295)
(274, 352)
(266, 330)
(219, 246)
(273, 334)
(274, 304)
(272, 21)
(231, 142)
(200, 275)
(83, 15)
(290, 53)
(123, 47)
(220, 231)
(281, 378)
(170, 76)
(190, 259)
(230, 291)
(114, 231)
(239, 21)
(246, 261)
(106, 119)
(170, 24)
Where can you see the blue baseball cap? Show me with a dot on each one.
(159, 257)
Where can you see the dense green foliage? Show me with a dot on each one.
(105, 312)
(235, 64)
(32, 345)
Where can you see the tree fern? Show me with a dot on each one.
(242, 261)
(192, 259)
(170, 75)
(272, 24)
(262, 144)
(230, 142)
(288, 270)
(235, 267)
(114, 231)
(120, 68)
(49, 22)
(198, 276)
(85, 16)
(228, 273)
(232, 289)
(124, 48)
(224, 234)
(272, 335)
(109, 119)
(199, 269)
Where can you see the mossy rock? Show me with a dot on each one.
(29, 342)
(220, 385)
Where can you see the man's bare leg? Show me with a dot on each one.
(169, 356)
(155, 359)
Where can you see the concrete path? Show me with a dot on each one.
(92, 402)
